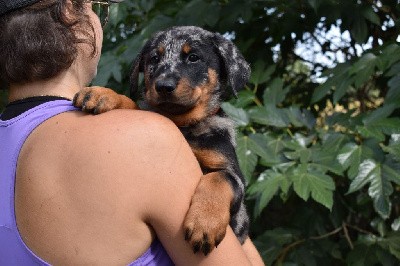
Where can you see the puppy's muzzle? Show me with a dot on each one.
(165, 86)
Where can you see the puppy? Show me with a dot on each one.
(186, 74)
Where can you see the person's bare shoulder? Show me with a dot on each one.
(139, 166)
(129, 139)
(142, 150)
(146, 139)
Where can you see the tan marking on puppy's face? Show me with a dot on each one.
(202, 107)
(161, 49)
(186, 48)
(186, 94)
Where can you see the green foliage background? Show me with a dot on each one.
(318, 123)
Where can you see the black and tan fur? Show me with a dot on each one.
(186, 74)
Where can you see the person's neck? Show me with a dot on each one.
(64, 85)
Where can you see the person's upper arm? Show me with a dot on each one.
(171, 181)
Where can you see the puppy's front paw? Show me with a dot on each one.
(99, 100)
(205, 229)
(209, 213)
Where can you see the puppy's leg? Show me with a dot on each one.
(98, 100)
(218, 199)
(209, 213)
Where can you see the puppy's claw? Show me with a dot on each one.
(208, 215)
(196, 247)
(188, 234)
(74, 100)
(99, 107)
(86, 100)
(218, 241)
(206, 248)
(99, 100)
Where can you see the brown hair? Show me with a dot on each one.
(39, 42)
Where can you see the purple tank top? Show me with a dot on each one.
(13, 134)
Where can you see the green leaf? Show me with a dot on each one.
(391, 242)
(269, 116)
(158, 22)
(391, 169)
(366, 61)
(333, 141)
(105, 69)
(377, 129)
(237, 114)
(333, 167)
(267, 186)
(319, 185)
(351, 156)
(205, 13)
(394, 70)
(300, 183)
(379, 114)
(322, 90)
(146, 5)
(379, 225)
(364, 68)
(387, 125)
(370, 15)
(262, 145)
(359, 29)
(389, 56)
(380, 187)
(212, 15)
(371, 132)
(394, 146)
(348, 152)
(380, 190)
(393, 94)
(300, 118)
(274, 94)
(300, 141)
(117, 14)
(245, 97)
(260, 74)
(324, 156)
(302, 154)
(367, 169)
(335, 76)
(343, 85)
(247, 158)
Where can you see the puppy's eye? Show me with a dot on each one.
(154, 59)
(193, 58)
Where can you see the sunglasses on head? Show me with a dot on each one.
(102, 9)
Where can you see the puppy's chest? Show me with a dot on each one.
(211, 132)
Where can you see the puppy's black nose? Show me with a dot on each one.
(165, 86)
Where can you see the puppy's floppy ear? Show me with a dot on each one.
(235, 66)
(137, 67)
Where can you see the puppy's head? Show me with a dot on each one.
(186, 71)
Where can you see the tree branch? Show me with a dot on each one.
(282, 255)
